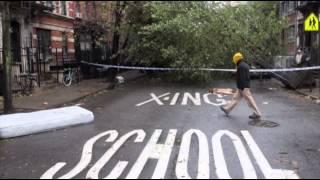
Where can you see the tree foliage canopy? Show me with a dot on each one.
(203, 34)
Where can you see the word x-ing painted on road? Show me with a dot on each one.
(186, 98)
(162, 153)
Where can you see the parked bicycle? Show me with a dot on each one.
(70, 75)
(26, 83)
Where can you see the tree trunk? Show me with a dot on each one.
(7, 59)
(115, 41)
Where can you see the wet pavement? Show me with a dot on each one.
(168, 130)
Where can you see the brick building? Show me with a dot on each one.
(294, 36)
(53, 30)
(43, 35)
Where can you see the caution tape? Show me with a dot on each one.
(200, 69)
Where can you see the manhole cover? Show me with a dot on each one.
(263, 123)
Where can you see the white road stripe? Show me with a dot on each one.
(207, 100)
(85, 158)
(263, 163)
(196, 100)
(203, 161)
(153, 150)
(175, 99)
(93, 173)
(154, 98)
(117, 170)
(53, 170)
(220, 162)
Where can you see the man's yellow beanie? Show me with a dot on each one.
(237, 57)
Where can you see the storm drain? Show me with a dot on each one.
(263, 123)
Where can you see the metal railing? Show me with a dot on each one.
(32, 64)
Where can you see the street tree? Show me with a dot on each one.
(205, 35)
(110, 26)
(7, 56)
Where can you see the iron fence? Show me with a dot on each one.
(35, 64)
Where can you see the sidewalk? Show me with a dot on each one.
(314, 94)
(58, 95)
(47, 98)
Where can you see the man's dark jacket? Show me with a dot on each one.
(243, 75)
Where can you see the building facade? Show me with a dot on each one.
(43, 35)
(294, 37)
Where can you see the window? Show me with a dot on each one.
(85, 42)
(64, 8)
(94, 9)
(15, 41)
(48, 4)
(87, 10)
(287, 7)
(78, 7)
(290, 34)
(44, 44)
(65, 45)
(291, 6)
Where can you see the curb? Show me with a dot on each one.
(307, 95)
(110, 86)
(63, 103)
(80, 98)
(296, 91)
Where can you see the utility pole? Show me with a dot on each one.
(7, 57)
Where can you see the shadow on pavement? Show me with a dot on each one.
(263, 123)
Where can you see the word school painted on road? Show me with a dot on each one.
(162, 152)
(187, 98)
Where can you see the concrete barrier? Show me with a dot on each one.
(21, 124)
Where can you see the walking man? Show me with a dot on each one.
(243, 91)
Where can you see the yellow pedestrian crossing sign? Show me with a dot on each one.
(311, 23)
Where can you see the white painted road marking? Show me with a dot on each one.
(203, 162)
(220, 100)
(85, 158)
(153, 150)
(196, 100)
(154, 98)
(220, 162)
(93, 173)
(263, 163)
(187, 99)
(162, 152)
(175, 99)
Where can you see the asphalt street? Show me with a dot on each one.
(153, 129)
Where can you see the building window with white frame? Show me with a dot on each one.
(65, 45)
(78, 9)
(63, 7)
